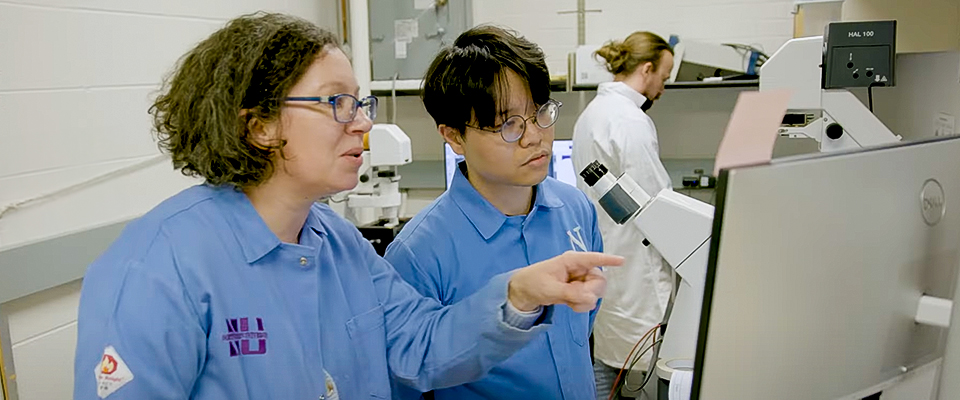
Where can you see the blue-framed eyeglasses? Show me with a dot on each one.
(344, 105)
(514, 126)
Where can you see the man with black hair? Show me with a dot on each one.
(489, 94)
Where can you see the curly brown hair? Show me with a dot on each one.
(239, 73)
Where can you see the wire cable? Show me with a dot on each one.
(617, 382)
(648, 374)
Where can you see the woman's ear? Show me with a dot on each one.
(264, 136)
(453, 137)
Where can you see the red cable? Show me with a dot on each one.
(627, 360)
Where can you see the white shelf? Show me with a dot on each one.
(402, 84)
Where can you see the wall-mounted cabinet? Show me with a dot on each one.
(922, 25)
(405, 35)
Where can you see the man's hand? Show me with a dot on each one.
(571, 278)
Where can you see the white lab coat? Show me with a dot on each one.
(615, 131)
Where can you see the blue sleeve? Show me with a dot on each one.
(430, 346)
(402, 259)
(398, 254)
(597, 247)
(142, 310)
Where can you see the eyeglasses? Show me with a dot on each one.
(344, 105)
(513, 127)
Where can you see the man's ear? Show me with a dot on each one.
(453, 137)
(261, 135)
(648, 68)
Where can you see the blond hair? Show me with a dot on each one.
(623, 57)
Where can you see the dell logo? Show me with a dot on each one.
(932, 203)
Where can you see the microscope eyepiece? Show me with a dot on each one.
(593, 172)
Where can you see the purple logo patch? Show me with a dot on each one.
(240, 335)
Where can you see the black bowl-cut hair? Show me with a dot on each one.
(466, 82)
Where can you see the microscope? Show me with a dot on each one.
(374, 205)
(818, 70)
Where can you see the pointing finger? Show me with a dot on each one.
(579, 263)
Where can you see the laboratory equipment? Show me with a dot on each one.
(386, 147)
(853, 54)
(624, 199)
(374, 204)
(586, 69)
(699, 180)
(678, 227)
(695, 61)
(819, 274)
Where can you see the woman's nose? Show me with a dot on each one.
(360, 124)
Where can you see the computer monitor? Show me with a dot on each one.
(816, 268)
(561, 167)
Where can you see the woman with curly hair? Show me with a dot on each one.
(244, 288)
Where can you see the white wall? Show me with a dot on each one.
(765, 23)
(922, 25)
(43, 330)
(76, 79)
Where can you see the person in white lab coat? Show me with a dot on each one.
(615, 130)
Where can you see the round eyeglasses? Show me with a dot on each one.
(344, 105)
(513, 127)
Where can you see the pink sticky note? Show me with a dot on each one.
(752, 130)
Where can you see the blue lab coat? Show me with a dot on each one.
(198, 299)
(456, 245)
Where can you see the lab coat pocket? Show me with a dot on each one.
(579, 327)
(369, 340)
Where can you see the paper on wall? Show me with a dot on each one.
(405, 30)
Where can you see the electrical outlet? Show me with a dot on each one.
(943, 124)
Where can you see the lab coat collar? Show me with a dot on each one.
(623, 90)
(251, 231)
(313, 223)
(484, 217)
